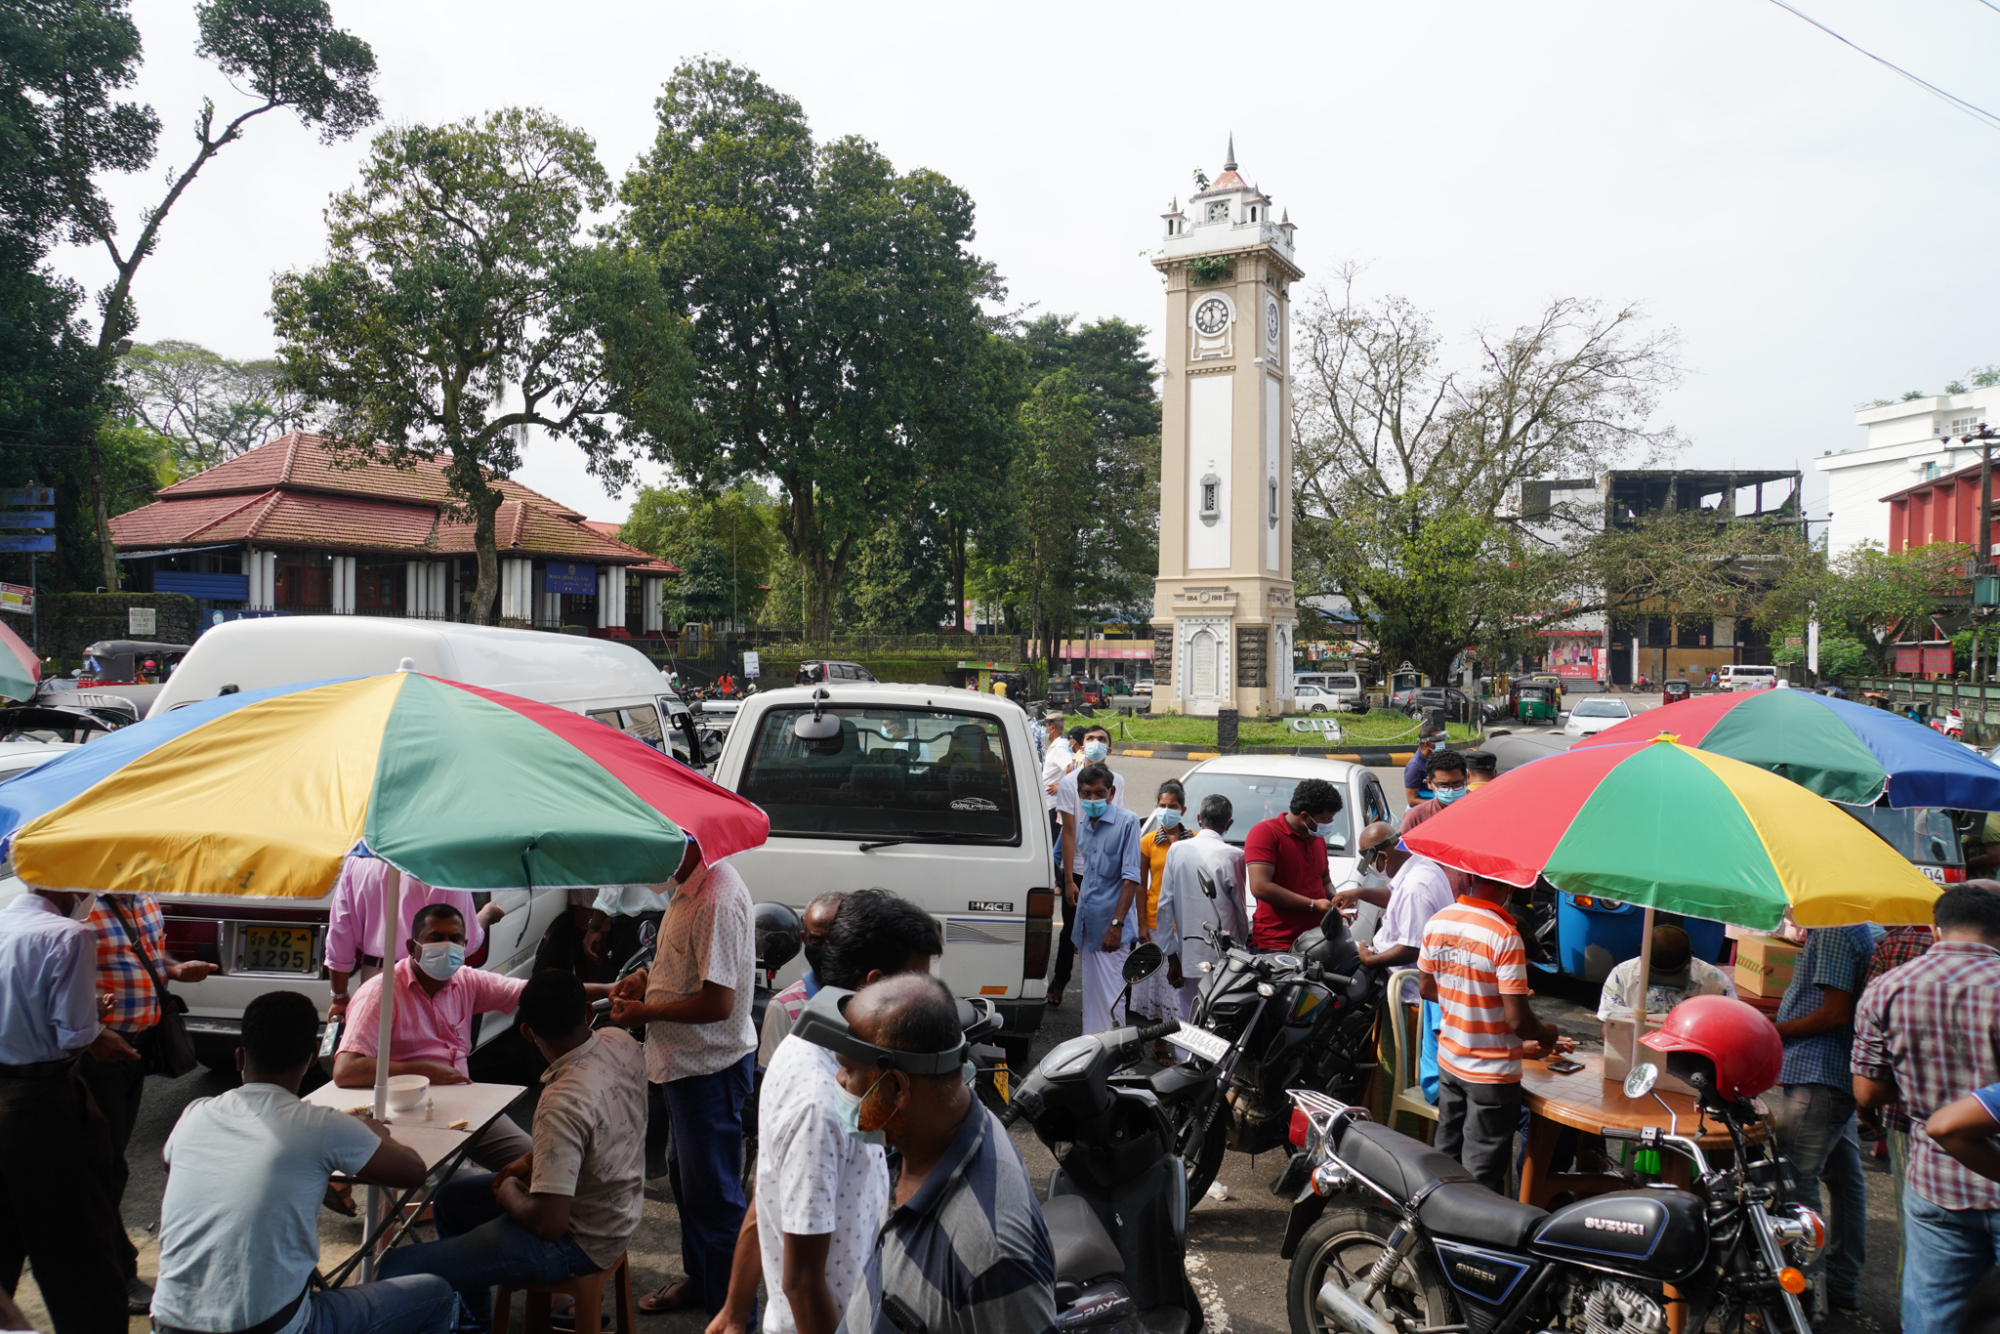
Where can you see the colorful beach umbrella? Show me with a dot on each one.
(20, 669)
(263, 793)
(1843, 751)
(1670, 827)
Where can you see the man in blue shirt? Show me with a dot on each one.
(1417, 773)
(1107, 837)
(56, 1209)
(1813, 1109)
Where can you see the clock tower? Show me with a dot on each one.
(1223, 617)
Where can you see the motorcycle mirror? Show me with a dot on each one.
(1640, 1082)
(1144, 960)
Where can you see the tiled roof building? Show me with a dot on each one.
(292, 526)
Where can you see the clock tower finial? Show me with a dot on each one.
(1229, 160)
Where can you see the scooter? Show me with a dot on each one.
(1117, 1201)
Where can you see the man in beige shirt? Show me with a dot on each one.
(572, 1204)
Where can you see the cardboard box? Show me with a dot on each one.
(1752, 984)
(1764, 965)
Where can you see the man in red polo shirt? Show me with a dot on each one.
(1286, 860)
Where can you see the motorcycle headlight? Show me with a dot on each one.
(1796, 1225)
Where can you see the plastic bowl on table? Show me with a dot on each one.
(407, 1092)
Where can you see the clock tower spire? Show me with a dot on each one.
(1223, 613)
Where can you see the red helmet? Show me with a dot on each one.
(1735, 1039)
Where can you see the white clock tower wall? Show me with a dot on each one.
(1209, 465)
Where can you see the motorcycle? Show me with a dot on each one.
(1432, 1249)
(1261, 1025)
(1117, 1201)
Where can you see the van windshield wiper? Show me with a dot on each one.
(941, 836)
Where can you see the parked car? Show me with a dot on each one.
(602, 679)
(1143, 686)
(1346, 687)
(1069, 692)
(1457, 706)
(1593, 715)
(827, 670)
(931, 792)
(1312, 699)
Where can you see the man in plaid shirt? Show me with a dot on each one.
(1902, 944)
(133, 925)
(1925, 1035)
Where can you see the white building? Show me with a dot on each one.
(1904, 447)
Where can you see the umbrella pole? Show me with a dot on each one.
(391, 920)
(1645, 981)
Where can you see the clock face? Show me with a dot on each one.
(1271, 325)
(1211, 316)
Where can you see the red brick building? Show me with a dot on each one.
(283, 529)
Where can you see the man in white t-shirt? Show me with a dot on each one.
(246, 1171)
(821, 1192)
(1418, 890)
(701, 1046)
(1069, 806)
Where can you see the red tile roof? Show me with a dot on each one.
(289, 493)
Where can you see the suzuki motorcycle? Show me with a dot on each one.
(1261, 1025)
(1117, 1201)
(1389, 1236)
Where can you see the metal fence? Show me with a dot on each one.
(1977, 704)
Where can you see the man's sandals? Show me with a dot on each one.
(675, 1296)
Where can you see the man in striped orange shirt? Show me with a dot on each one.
(1476, 968)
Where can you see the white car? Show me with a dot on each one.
(1313, 699)
(1593, 715)
(1260, 786)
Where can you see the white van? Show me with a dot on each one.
(930, 792)
(600, 678)
(1745, 676)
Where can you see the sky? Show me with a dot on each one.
(1815, 228)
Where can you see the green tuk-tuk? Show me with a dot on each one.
(1534, 702)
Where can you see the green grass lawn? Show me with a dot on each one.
(1373, 729)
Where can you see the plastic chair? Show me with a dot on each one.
(1406, 1094)
(587, 1289)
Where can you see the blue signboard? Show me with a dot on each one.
(569, 577)
(27, 519)
(27, 495)
(25, 542)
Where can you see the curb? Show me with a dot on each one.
(1373, 756)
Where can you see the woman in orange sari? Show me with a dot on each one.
(1152, 997)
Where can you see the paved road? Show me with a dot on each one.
(1233, 1242)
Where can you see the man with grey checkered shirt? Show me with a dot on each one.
(962, 1248)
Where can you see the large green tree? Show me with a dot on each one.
(726, 547)
(208, 407)
(1055, 485)
(1870, 596)
(282, 53)
(1406, 466)
(460, 306)
(833, 303)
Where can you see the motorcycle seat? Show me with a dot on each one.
(1467, 1211)
(1084, 1251)
(1398, 1164)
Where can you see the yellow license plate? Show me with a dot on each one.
(277, 949)
(1000, 1081)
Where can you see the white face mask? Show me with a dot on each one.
(441, 958)
(84, 906)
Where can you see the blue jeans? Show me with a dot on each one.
(479, 1246)
(418, 1304)
(1815, 1128)
(1945, 1252)
(705, 1168)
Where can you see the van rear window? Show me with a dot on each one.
(928, 775)
(642, 722)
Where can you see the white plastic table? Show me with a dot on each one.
(428, 1131)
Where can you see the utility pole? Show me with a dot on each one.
(1983, 436)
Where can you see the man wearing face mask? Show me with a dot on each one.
(1449, 780)
(1107, 927)
(431, 1029)
(56, 1210)
(1675, 976)
(1093, 746)
(1286, 861)
(963, 1248)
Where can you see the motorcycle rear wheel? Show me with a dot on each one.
(1348, 1241)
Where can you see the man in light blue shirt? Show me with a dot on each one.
(239, 1223)
(56, 1209)
(1106, 926)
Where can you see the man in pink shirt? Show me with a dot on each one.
(430, 1032)
(354, 921)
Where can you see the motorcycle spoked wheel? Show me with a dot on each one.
(1347, 1242)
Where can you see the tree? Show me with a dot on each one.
(284, 53)
(1404, 465)
(965, 502)
(726, 547)
(458, 307)
(1055, 482)
(208, 407)
(1869, 595)
(899, 582)
(833, 305)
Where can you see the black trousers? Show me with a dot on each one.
(1478, 1124)
(55, 1203)
(1066, 942)
(117, 1087)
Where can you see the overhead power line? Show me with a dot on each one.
(1978, 113)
